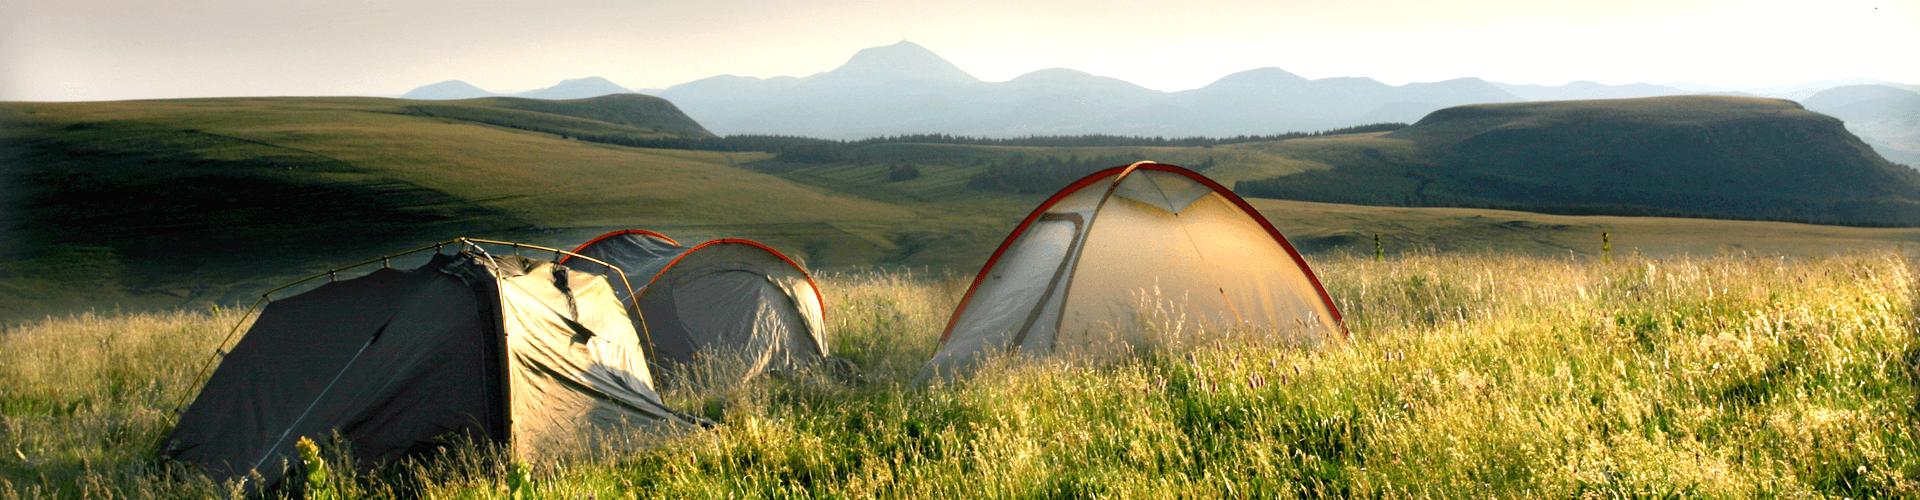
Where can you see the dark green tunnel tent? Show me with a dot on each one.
(728, 297)
(522, 352)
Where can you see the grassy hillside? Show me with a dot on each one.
(945, 171)
(145, 204)
(1467, 375)
(1704, 155)
(633, 114)
(188, 197)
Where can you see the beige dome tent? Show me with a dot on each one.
(514, 350)
(1087, 257)
(733, 298)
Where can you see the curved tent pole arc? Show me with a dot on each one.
(1120, 173)
(817, 295)
(820, 298)
(1066, 292)
(1338, 320)
(1015, 235)
(266, 296)
(566, 254)
(384, 261)
(583, 246)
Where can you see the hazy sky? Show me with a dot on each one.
(124, 49)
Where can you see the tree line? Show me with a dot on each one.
(1021, 173)
(796, 149)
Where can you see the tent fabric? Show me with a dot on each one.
(1087, 260)
(728, 297)
(515, 350)
(573, 370)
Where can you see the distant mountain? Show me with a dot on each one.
(1696, 88)
(1062, 81)
(1884, 116)
(1801, 91)
(905, 89)
(1870, 103)
(1729, 156)
(1270, 100)
(447, 90)
(1794, 92)
(900, 62)
(1255, 81)
(1582, 90)
(580, 88)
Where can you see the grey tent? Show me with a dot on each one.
(522, 352)
(729, 296)
(1084, 260)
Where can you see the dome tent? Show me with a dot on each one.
(729, 297)
(1085, 258)
(518, 351)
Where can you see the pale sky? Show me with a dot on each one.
(78, 50)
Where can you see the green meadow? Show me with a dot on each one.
(1490, 353)
(157, 205)
(1466, 375)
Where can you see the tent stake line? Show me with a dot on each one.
(385, 261)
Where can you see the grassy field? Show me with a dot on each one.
(200, 201)
(1351, 228)
(1467, 375)
(155, 205)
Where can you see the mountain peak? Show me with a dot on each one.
(578, 88)
(903, 61)
(447, 90)
(1259, 79)
(591, 80)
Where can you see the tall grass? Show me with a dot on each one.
(86, 399)
(1736, 375)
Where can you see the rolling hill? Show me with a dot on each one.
(1723, 156)
(629, 113)
(198, 201)
(183, 200)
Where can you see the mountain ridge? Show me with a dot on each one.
(1887, 117)
(1729, 156)
(577, 88)
(905, 88)
(901, 62)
